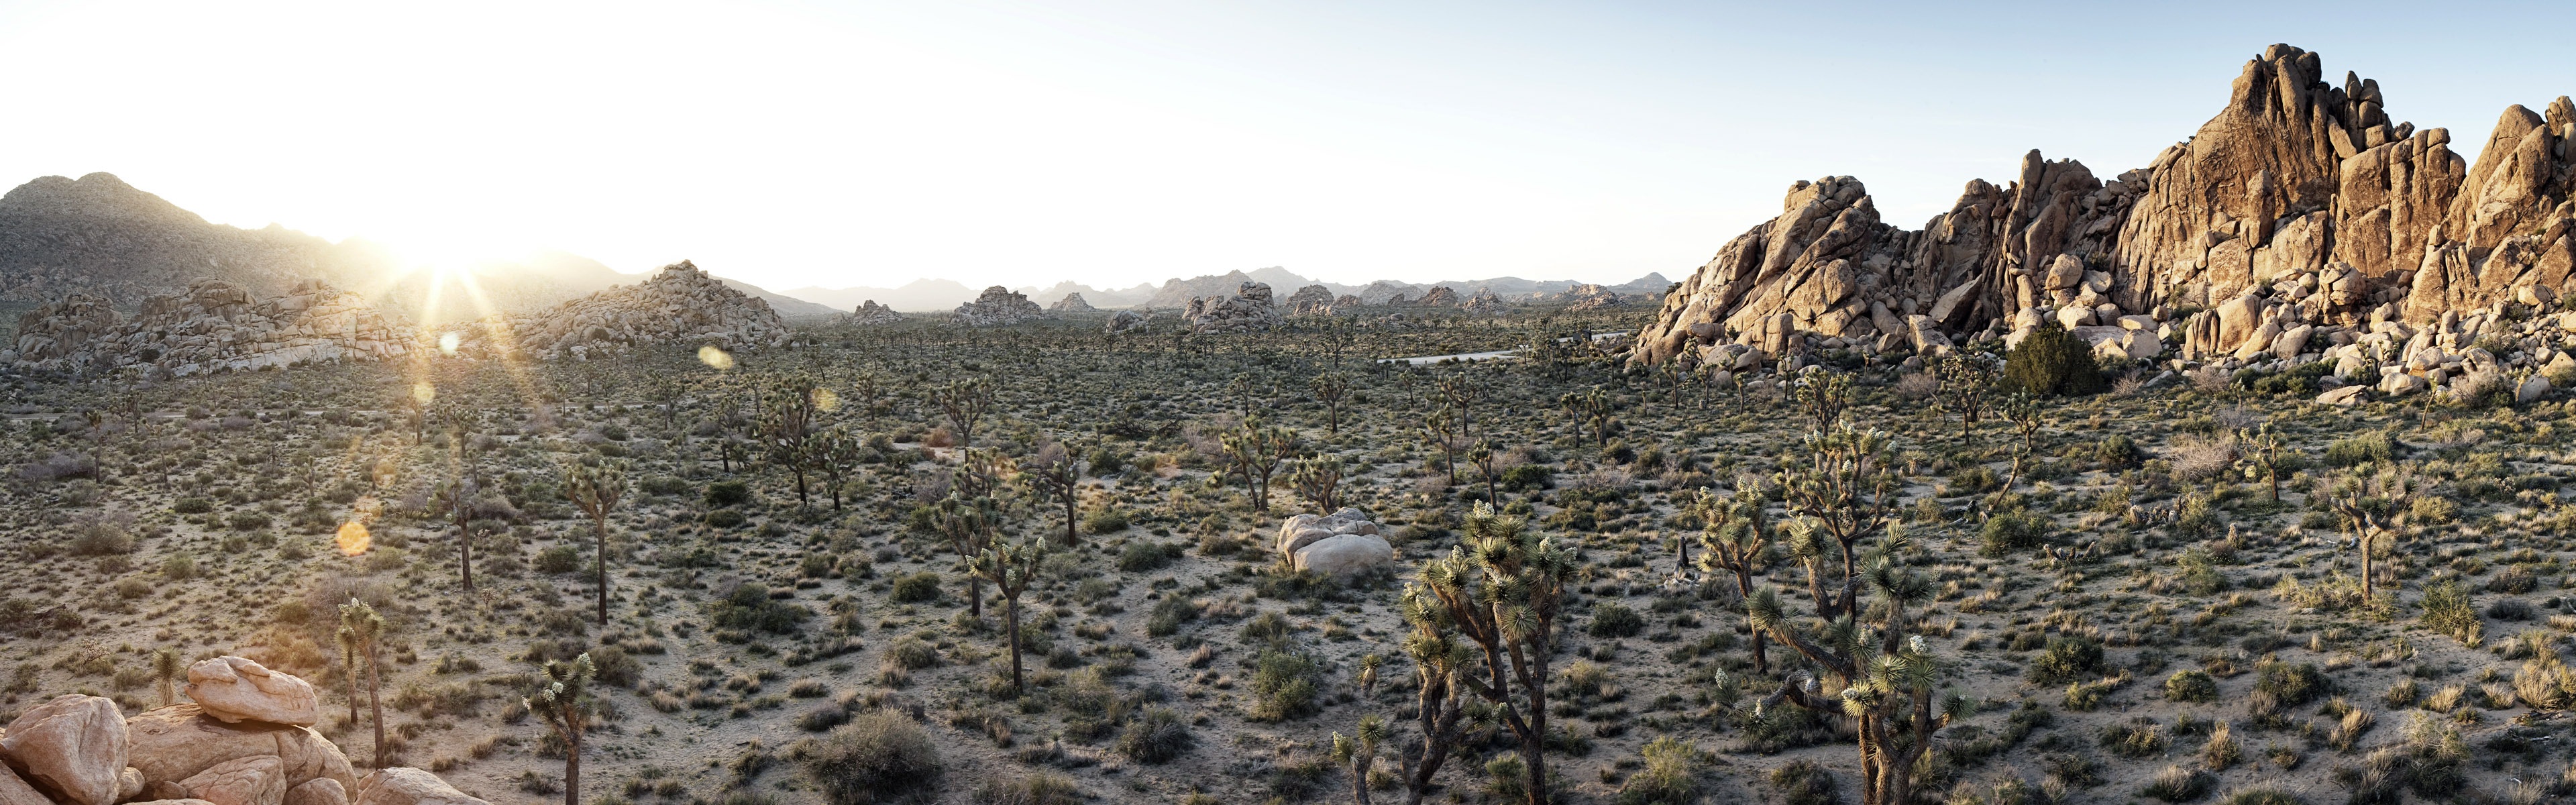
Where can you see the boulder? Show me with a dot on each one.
(319, 791)
(1124, 321)
(235, 689)
(14, 791)
(1345, 554)
(998, 306)
(170, 744)
(2531, 390)
(72, 747)
(2064, 273)
(2402, 384)
(2346, 395)
(258, 780)
(408, 786)
(869, 312)
(1248, 309)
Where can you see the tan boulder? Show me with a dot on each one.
(318, 791)
(2064, 273)
(172, 801)
(408, 786)
(72, 747)
(14, 791)
(259, 780)
(1345, 554)
(173, 743)
(236, 689)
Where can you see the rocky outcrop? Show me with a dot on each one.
(1248, 309)
(1438, 296)
(99, 236)
(241, 781)
(236, 689)
(2303, 194)
(215, 326)
(1343, 543)
(171, 744)
(998, 306)
(1125, 321)
(869, 312)
(1312, 300)
(680, 305)
(406, 786)
(71, 748)
(1071, 303)
(1482, 301)
(1589, 296)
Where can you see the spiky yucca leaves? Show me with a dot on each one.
(1254, 451)
(1439, 661)
(564, 701)
(1359, 753)
(1876, 671)
(1843, 493)
(1011, 567)
(1734, 534)
(1502, 588)
(969, 524)
(2366, 506)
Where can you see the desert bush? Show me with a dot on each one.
(192, 506)
(1614, 619)
(2052, 361)
(1670, 776)
(2178, 784)
(1108, 520)
(917, 588)
(1803, 782)
(2191, 686)
(2293, 685)
(1039, 788)
(1284, 685)
(2361, 448)
(1155, 736)
(2117, 452)
(880, 756)
(2447, 610)
(725, 518)
(1142, 557)
(2012, 532)
(2067, 659)
(727, 494)
(748, 606)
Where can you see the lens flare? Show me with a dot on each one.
(353, 539)
(447, 342)
(717, 358)
(422, 392)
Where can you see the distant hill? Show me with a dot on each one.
(918, 296)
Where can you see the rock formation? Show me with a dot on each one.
(1438, 296)
(1312, 300)
(1340, 544)
(679, 305)
(1125, 321)
(79, 750)
(2299, 205)
(1248, 309)
(215, 326)
(1071, 303)
(98, 235)
(869, 312)
(1589, 296)
(1482, 301)
(998, 306)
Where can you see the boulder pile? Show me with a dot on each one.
(1124, 321)
(1343, 543)
(1248, 309)
(247, 740)
(1312, 300)
(998, 306)
(215, 326)
(1438, 296)
(869, 312)
(1589, 296)
(1072, 303)
(679, 305)
(2300, 208)
(1482, 301)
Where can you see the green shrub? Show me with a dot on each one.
(664, 485)
(1168, 615)
(559, 560)
(1284, 685)
(2067, 659)
(247, 521)
(725, 518)
(2052, 361)
(2191, 686)
(1105, 521)
(2447, 610)
(1140, 557)
(2012, 532)
(1156, 736)
(2292, 685)
(917, 588)
(1803, 782)
(748, 606)
(1038, 788)
(192, 506)
(1614, 619)
(1670, 776)
(880, 756)
(2361, 448)
(1527, 477)
(722, 494)
(2178, 784)
(2117, 452)
(1974, 479)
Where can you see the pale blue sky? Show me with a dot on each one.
(1119, 142)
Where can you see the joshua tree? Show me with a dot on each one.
(964, 401)
(2265, 454)
(1502, 588)
(2366, 505)
(1319, 481)
(836, 454)
(362, 628)
(1439, 664)
(1488, 465)
(1845, 493)
(1461, 392)
(2023, 411)
(1965, 382)
(1734, 535)
(1441, 429)
(349, 665)
(166, 669)
(596, 490)
(1330, 388)
(456, 501)
(1824, 397)
(1011, 567)
(1589, 408)
(787, 425)
(1359, 753)
(969, 524)
(566, 705)
(1255, 450)
(1876, 670)
(1057, 476)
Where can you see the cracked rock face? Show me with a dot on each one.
(998, 306)
(1248, 309)
(2303, 193)
(236, 689)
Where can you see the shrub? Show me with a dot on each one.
(1105, 521)
(1284, 684)
(2191, 686)
(1527, 477)
(2359, 449)
(725, 518)
(1614, 619)
(559, 560)
(2447, 610)
(2117, 452)
(1669, 777)
(2178, 784)
(1802, 782)
(748, 606)
(917, 588)
(879, 756)
(2052, 361)
(1156, 736)
(724, 494)
(2066, 659)
(192, 506)
(2011, 532)
(822, 717)
(2293, 685)
(1140, 557)
(101, 539)
(1040, 788)
(1974, 479)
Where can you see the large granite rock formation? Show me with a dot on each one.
(1072, 303)
(2299, 193)
(215, 326)
(1343, 543)
(1438, 296)
(869, 312)
(998, 306)
(1589, 296)
(1484, 300)
(679, 305)
(1248, 309)
(1312, 300)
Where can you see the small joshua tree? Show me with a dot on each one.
(564, 701)
(2366, 505)
(1734, 536)
(596, 490)
(1590, 408)
(1255, 451)
(964, 401)
(1360, 753)
(363, 628)
(1011, 567)
(969, 525)
(1056, 475)
(1876, 670)
(1330, 388)
(456, 501)
(1319, 481)
(166, 669)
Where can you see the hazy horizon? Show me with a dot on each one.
(1022, 144)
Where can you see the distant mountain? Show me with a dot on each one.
(1098, 297)
(1176, 293)
(917, 296)
(99, 235)
(788, 307)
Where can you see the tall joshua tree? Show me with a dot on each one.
(1011, 567)
(566, 705)
(1440, 663)
(1877, 670)
(1330, 388)
(1843, 493)
(456, 501)
(964, 401)
(595, 491)
(1255, 450)
(2366, 505)
(788, 416)
(364, 629)
(969, 525)
(1502, 588)
(1733, 536)
(1057, 476)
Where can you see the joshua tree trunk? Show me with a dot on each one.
(376, 702)
(599, 534)
(572, 771)
(1011, 619)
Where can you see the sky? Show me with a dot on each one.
(1112, 143)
